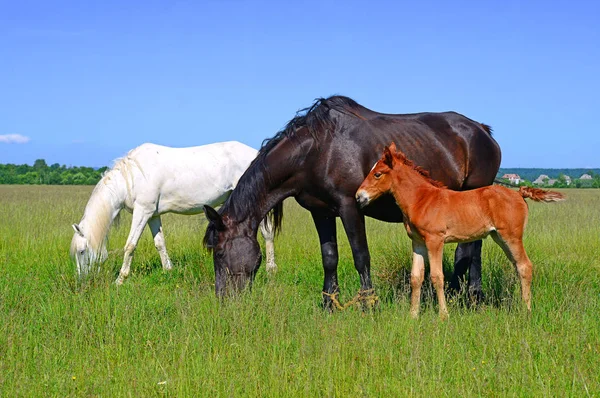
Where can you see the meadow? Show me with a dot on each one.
(165, 333)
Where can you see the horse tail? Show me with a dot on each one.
(486, 127)
(541, 195)
(276, 215)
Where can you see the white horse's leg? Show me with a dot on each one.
(140, 218)
(266, 229)
(159, 241)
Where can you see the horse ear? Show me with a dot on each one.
(388, 157)
(214, 217)
(393, 147)
(78, 230)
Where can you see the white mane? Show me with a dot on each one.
(98, 215)
(125, 166)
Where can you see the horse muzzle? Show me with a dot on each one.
(362, 198)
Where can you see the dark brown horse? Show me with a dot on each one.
(320, 158)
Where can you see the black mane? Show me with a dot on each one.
(315, 119)
(251, 193)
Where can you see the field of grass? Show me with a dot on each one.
(165, 334)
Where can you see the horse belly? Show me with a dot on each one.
(467, 231)
(190, 201)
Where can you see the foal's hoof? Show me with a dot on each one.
(119, 281)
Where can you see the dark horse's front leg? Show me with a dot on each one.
(354, 225)
(468, 256)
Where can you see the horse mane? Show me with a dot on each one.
(125, 166)
(96, 221)
(315, 118)
(97, 216)
(424, 173)
(317, 121)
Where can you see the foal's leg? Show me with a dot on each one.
(326, 229)
(417, 275)
(266, 229)
(159, 241)
(138, 222)
(435, 251)
(515, 251)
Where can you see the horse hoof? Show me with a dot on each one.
(476, 297)
(368, 300)
(272, 268)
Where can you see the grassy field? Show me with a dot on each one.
(165, 334)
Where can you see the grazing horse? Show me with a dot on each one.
(320, 158)
(152, 180)
(434, 215)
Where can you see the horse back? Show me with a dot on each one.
(182, 180)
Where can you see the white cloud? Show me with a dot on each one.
(14, 139)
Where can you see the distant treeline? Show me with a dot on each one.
(554, 178)
(56, 174)
(532, 174)
(41, 173)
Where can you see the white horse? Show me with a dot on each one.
(152, 180)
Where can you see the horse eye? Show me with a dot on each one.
(377, 175)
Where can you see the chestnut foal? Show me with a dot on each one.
(434, 215)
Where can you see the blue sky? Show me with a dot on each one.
(81, 83)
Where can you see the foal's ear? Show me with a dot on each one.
(214, 217)
(388, 157)
(78, 230)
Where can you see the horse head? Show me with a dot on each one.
(236, 252)
(83, 253)
(80, 251)
(378, 181)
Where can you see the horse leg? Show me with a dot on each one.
(475, 289)
(159, 241)
(417, 275)
(515, 251)
(354, 225)
(462, 262)
(435, 252)
(138, 222)
(468, 256)
(326, 229)
(266, 229)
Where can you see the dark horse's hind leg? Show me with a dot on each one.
(468, 256)
(326, 229)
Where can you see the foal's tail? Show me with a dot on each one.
(541, 195)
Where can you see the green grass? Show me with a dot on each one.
(165, 334)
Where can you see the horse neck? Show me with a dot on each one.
(409, 187)
(264, 186)
(105, 203)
